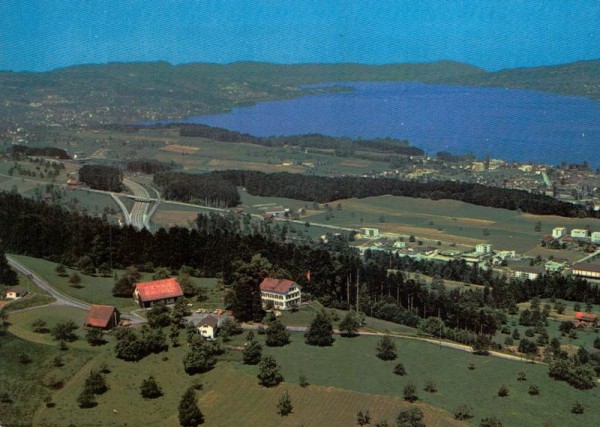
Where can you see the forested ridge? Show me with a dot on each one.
(326, 189)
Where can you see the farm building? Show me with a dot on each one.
(282, 293)
(587, 270)
(102, 316)
(157, 291)
(584, 320)
(15, 293)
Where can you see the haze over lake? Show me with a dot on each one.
(502, 123)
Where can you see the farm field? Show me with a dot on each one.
(447, 220)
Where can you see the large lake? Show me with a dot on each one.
(509, 124)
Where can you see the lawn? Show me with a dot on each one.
(94, 290)
(351, 365)
(24, 383)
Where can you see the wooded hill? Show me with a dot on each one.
(161, 91)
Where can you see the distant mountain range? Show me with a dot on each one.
(128, 92)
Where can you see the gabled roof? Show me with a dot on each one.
(158, 289)
(279, 286)
(209, 320)
(16, 290)
(585, 316)
(99, 315)
(583, 266)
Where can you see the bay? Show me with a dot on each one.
(510, 124)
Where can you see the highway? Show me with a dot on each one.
(140, 216)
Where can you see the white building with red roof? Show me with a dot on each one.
(282, 293)
(157, 291)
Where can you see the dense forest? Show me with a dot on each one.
(326, 189)
(210, 190)
(100, 177)
(149, 166)
(53, 152)
(341, 146)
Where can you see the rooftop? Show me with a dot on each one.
(279, 286)
(159, 289)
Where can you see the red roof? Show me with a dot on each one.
(279, 286)
(99, 315)
(585, 316)
(158, 289)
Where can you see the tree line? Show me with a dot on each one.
(102, 177)
(148, 166)
(53, 152)
(326, 189)
(209, 190)
(342, 146)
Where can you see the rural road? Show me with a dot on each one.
(446, 344)
(61, 299)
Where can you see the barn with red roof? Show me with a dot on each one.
(157, 291)
(281, 294)
(102, 316)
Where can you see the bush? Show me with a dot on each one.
(463, 412)
(410, 392)
(490, 422)
(386, 348)
(150, 389)
(399, 369)
(503, 391)
(534, 390)
(412, 417)
(430, 386)
(284, 406)
(577, 408)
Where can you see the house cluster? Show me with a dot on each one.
(562, 235)
(279, 294)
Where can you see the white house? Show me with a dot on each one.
(207, 326)
(530, 273)
(558, 232)
(15, 293)
(596, 237)
(483, 248)
(282, 293)
(369, 232)
(579, 233)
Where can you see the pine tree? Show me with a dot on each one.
(320, 332)
(269, 375)
(189, 412)
(386, 348)
(7, 275)
(277, 335)
(284, 406)
(252, 352)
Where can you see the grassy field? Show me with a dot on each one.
(24, 383)
(94, 290)
(351, 364)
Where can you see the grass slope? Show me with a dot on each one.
(351, 364)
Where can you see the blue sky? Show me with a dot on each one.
(38, 35)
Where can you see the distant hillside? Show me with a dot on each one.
(129, 92)
(580, 78)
